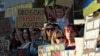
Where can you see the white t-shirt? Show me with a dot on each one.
(25, 45)
(62, 22)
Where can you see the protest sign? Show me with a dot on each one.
(79, 46)
(30, 17)
(5, 26)
(66, 3)
(12, 11)
(46, 49)
(91, 35)
(63, 53)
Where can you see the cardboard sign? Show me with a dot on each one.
(46, 49)
(12, 11)
(30, 17)
(5, 27)
(98, 1)
(66, 3)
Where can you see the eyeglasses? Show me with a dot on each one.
(60, 37)
(47, 29)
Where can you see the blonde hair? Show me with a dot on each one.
(45, 37)
(54, 36)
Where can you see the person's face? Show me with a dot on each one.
(16, 37)
(36, 34)
(70, 33)
(59, 13)
(25, 35)
(59, 38)
(49, 30)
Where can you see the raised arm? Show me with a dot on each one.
(19, 33)
(31, 30)
(51, 12)
(67, 12)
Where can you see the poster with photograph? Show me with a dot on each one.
(63, 53)
(43, 49)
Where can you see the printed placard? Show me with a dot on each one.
(43, 49)
(63, 53)
(91, 35)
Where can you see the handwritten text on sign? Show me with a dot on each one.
(30, 17)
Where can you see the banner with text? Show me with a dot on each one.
(30, 17)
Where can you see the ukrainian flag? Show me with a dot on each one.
(90, 6)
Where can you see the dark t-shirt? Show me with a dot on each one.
(70, 48)
(15, 45)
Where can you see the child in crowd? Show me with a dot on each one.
(61, 14)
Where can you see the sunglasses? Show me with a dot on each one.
(47, 29)
(60, 37)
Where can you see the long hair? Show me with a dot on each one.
(29, 37)
(14, 42)
(54, 36)
(67, 28)
(45, 37)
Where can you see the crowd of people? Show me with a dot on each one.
(26, 38)
(52, 33)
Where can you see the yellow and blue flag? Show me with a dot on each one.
(90, 6)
